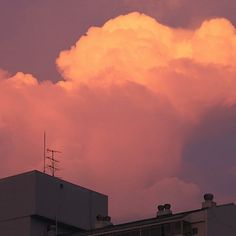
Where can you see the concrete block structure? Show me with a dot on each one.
(36, 204)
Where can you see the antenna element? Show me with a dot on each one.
(52, 161)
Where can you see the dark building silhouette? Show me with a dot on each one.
(36, 204)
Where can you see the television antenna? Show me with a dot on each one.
(52, 165)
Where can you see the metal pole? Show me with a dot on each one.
(44, 152)
(53, 164)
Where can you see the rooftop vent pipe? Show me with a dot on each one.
(208, 197)
(102, 221)
(164, 210)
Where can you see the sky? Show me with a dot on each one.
(138, 95)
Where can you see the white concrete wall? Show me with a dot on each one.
(214, 221)
(222, 221)
(198, 220)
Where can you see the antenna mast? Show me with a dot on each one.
(44, 152)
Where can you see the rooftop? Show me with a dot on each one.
(146, 222)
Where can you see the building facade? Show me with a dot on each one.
(36, 204)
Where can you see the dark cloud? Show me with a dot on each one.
(209, 155)
(184, 13)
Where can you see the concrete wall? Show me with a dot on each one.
(222, 220)
(15, 227)
(17, 196)
(68, 203)
(198, 220)
(40, 227)
(37, 194)
(214, 221)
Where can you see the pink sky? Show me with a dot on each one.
(142, 111)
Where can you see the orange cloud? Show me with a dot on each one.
(133, 92)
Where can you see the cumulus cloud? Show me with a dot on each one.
(133, 93)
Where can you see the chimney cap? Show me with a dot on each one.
(99, 217)
(160, 207)
(107, 218)
(208, 197)
(167, 206)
